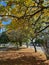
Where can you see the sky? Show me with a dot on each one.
(3, 3)
(7, 22)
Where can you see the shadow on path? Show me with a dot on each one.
(25, 60)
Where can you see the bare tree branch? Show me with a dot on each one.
(43, 29)
(14, 16)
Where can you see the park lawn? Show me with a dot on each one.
(24, 56)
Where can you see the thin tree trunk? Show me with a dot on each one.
(27, 44)
(20, 43)
(17, 46)
(35, 47)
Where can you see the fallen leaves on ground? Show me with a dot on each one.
(23, 57)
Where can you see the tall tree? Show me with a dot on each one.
(28, 16)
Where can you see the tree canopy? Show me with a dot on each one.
(4, 38)
(27, 17)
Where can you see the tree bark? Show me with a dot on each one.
(27, 44)
(17, 46)
(20, 43)
(35, 47)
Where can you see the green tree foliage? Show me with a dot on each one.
(28, 17)
(4, 38)
(41, 41)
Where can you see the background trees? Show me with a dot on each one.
(4, 38)
(27, 18)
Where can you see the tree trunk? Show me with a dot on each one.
(20, 43)
(27, 44)
(35, 47)
(17, 46)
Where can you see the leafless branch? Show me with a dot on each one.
(43, 29)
